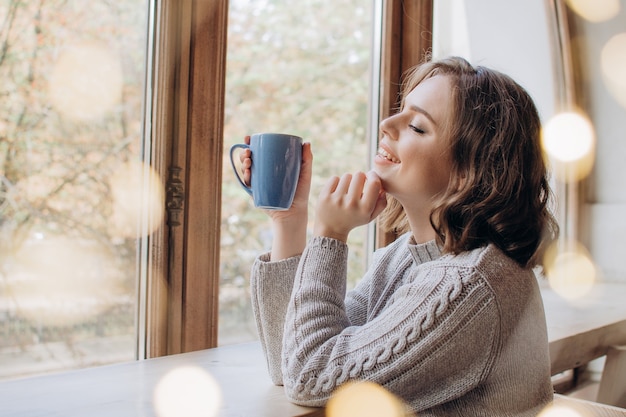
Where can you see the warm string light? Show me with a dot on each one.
(365, 399)
(595, 10)
(568, 139)
(187, 391)
(559, 411)
(137, 195)
(86, 82)
(613, 63)
(60, 280)
(369, 399)
(570, 270)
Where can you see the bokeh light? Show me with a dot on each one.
(595, 10)
(365, 399)
(613, 62)
(559, 411)
(138, 200)
(568, 139)
(570, 270)
(187, 391)
(86, 81)
(60, 280)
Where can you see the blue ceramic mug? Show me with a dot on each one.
(276, 160)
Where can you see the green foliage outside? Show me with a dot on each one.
(71, 114)
(300, 68)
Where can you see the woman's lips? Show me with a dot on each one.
(386, 155)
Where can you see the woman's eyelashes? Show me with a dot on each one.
(416, 129)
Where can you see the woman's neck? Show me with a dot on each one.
(421, 228)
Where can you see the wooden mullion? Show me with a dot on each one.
(406, 38)
(188, 107)
(170, 69)
(206, 116)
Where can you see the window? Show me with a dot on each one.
(50, 160)
(300, 68)
(71, 118)
(188, 119)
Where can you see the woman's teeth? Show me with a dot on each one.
(387, 156)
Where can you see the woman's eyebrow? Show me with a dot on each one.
(418, 109)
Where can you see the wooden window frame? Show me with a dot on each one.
(407, 27)
(188, 113)
(186, 133)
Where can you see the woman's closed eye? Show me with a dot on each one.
(416, 129)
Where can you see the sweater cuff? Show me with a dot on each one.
(326, 259)
(264, 264)
(328, 243)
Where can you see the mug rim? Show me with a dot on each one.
(276, 134)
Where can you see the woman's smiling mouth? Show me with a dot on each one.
(386, 155)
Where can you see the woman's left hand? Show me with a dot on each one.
(348, 202)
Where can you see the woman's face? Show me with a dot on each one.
(414, 160)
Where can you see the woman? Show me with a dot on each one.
(448, 317)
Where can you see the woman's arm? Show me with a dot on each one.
(270, 290)
(423, 344)
(272, 274)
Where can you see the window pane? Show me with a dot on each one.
(71, 82)
(300, 68)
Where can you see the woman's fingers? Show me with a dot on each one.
(330, 187)
(306, 173)
(246, 161)
(375, 193)
(344, 184)
(348, 202)
(356, 191)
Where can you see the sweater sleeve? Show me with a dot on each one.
(429, 345)
(270, 291)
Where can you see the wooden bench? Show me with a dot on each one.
(583, 330)
(586, 408)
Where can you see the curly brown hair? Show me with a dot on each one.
(499, 191)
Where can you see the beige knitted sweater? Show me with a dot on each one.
(460, 335)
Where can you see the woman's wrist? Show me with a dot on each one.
(319, 231)
(289, 238)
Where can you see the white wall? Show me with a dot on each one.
(495, 33)
(498, 34)
(604, 206)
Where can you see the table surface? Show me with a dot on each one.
(128, 389)
(582, 330)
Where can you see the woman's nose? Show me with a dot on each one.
(387, 127)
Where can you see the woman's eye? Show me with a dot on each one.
(416, 129)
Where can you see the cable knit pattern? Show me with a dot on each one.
(425, 318)
(449, 334)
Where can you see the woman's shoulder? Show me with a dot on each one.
(492, 266)
(488, 257)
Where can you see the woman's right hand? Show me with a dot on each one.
(289, 225)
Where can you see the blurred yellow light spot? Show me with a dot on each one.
(595, 10)
(569, 140)
(364, 399)
(60, 280)
(570, 270)
(559, 411)
(187, 391)
(138, 200)
(86, 81)
(568, 137)
(613, 62)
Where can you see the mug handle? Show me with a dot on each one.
(232, 163)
